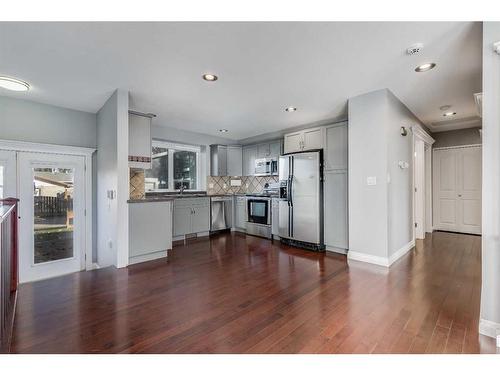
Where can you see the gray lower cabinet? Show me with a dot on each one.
(240, 210)
(150, 230)
(191, 215)
(335, 209)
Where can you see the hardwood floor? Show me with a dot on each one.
(238, 294)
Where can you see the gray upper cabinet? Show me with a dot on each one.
(234, 161)
(335, 153)
(139, 141)
(308, 139)
(275, 149)
(218, 160)
(249, 156)
(263, 150)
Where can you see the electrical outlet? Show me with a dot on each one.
(370, 181)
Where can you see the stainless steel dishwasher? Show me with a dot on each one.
(221, 211)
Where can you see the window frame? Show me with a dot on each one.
(171, 148)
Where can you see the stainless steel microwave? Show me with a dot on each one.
(266, 167)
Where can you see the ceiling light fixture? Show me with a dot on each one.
(445, 107)
(210, 77)
(223, 130)
(290, 109)
(425, 67)
(449, 114)
(13, 84)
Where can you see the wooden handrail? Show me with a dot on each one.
(9, 269)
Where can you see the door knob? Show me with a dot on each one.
(459, 195)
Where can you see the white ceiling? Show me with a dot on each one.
(262, 68)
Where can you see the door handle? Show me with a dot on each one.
(459, 195)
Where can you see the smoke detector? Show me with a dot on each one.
(414, 49)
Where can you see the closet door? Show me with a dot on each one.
(469, 190)
(457, 189)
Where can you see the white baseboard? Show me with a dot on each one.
(337, 250)
(380, 261)
(398, 254)
(147, 257)
(488, 328)
(367, 258)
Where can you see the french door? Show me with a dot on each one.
(457, 189)
(51, 191)
(7, 174)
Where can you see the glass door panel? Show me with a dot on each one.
(53, 190)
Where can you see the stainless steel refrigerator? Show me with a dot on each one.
(301, 199)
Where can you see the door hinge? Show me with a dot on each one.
(85, 212)
(415, 190)
(416, 225)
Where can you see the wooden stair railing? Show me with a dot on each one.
(8, 269)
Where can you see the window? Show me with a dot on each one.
(173, 165)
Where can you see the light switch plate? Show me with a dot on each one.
(372, 180)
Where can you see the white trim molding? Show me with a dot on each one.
(420, 133)
(401, 252)
(367, 258)
(489, 328)
(380, 261)
(456, 147)
(45, 147)
(21, 146)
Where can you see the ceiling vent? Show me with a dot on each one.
(414, 49)
(478, 98)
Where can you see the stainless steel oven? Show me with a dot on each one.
(266, 167)
(259, 216)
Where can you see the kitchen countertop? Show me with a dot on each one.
(158, 197)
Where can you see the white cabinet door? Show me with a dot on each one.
(275, 149)
(313, 139)
(249, 155)
(335, 209)
(234, 160)
(200, 219)
(293, 142)
(335, 153)
(457, 190)
(182, 219)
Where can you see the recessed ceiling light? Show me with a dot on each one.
(445, 107)
(425, 67)
(290, 109)
(210, 77)
(223, 130)
(13, 84)
(449, 114)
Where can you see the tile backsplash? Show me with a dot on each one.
(136, 184)
(249, 184)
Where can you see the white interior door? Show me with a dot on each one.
(52, 210)
(457, 189)
(8, 174)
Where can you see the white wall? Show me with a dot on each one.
(380, 216)
(23, 120)
(112, 175)
(183, 136)
(367, 153)
(490, 292)
(400, 195)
